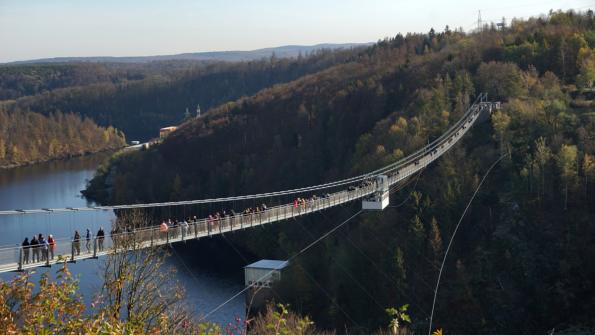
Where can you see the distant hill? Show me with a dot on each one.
(285, 51)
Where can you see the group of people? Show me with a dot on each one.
(302, 203)
(213, 220)
(40, 249)
(173, 226)
(165, 226)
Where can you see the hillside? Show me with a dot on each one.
(27, 138)
(159, 94)
(18, 81)
(519, 263)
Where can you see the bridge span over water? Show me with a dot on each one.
(371, 188)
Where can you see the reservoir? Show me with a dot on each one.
(58, 184)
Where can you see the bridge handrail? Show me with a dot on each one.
(199, 220)
(69, 250)
(435, 143)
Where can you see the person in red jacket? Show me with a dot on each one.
(52, 243)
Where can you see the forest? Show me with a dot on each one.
(519, 263)
(20, 80)
(141, 98)
(135, 98)
(27, 138)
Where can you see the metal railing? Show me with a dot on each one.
(69, 250)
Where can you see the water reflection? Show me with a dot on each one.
(48, 185)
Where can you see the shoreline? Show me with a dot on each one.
(61, 158)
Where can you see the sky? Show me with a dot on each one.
(32, 29)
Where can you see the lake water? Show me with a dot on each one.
(57, 185)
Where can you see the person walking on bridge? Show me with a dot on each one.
(100, 237)
(88, 240)
(163, 228)
(176, 228)
(34, 247)
(52, 245)
(195, 224)
(210, 221)
(26, 249)
(76, 242)
(185, 228)
(43, 245)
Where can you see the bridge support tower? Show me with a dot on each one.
(379, 200)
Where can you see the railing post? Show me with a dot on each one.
(195, 228)
(20, 259)
(167, 236)
(208, 227)
(152, 236)
(72, 251)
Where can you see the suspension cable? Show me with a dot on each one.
(452, 237)
(306, 248)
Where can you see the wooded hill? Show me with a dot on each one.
(27, 138)
(520, 262)
(137, 99)
(141, 98)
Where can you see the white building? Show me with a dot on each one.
(264, 272)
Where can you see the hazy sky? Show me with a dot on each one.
(32, 29)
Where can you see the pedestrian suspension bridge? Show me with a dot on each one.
(371, 188)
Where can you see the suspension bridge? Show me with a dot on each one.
(372, 189)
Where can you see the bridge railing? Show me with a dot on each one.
(63, 250)
(453, 132)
